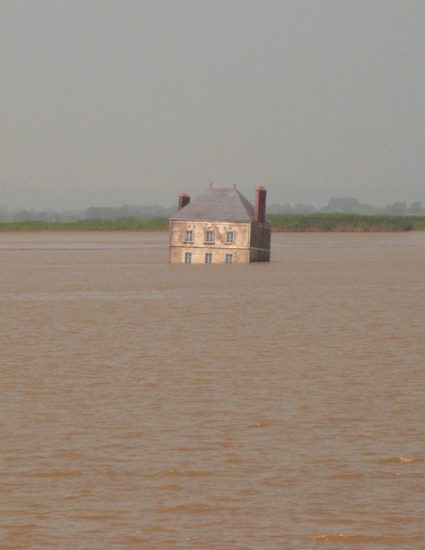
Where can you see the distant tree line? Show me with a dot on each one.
(347, 205)
(91, 213)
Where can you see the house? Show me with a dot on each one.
(220, 226)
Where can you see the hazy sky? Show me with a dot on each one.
(131, 101)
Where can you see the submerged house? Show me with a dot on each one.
(220, 226)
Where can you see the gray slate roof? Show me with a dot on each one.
(219, 204)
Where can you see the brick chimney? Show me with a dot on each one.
(184, 199)
(260, 204)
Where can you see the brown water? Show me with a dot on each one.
(266, 406)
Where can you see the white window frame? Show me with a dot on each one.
(189, 236)
(208, 258)
(209, 236)
(229, 258)
(188, 257)
(230, 237)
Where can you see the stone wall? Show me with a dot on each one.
(198, 247)
(260, 242)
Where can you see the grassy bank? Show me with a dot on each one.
(124, 224)
(345, 222)
(280, 223)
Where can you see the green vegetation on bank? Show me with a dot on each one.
(344, 222)
(122, 224)
(280, 223)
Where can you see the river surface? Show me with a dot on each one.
(267, 406)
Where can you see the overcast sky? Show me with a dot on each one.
(106, 102)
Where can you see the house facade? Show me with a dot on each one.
(220, 226)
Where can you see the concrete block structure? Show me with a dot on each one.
(220, 226)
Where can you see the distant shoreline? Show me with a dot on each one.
(291, 223)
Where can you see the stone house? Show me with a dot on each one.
(220, 226)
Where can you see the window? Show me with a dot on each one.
(188, 257)
(208, 258)
(230, 237)
(189, 235)
(229, 258)
(209, 236)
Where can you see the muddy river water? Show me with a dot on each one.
(267, 406)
